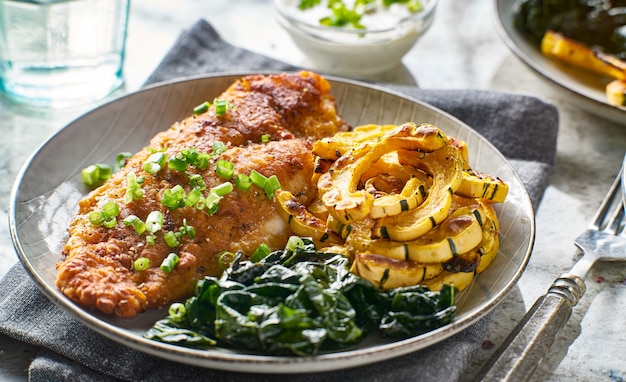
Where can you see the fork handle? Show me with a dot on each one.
(517, 358)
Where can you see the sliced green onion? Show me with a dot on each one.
(187, 229)
(171, 240)
(258, 179)
(218, 148)
(138, 225)
(189, 155)
(271, 186)
(133, 188)
(96, 174)
(196, 181)
(110, 209)
(141, 264)
(265, 138)
(150, 240)
(174, 197)
(293, 243)
(177, 164)
(225, 259)
(261, 252)
(202, 161)
(154, 221)
(221, 106)
(243, 182)
(154, 163)
(169, 262)
(225, 169)
(202, 108)
(223, 189)
(177, 311)
(193, 197)
(120, 160)
(212, 202)
(96, 218)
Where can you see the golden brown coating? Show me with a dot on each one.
(98, 268)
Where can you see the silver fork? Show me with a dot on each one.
(517, 358)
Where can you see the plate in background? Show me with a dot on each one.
(45, 195)
(584, 89)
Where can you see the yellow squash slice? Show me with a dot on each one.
(557, 46)
(459, 233)
(388, 273)
(461, 280)
(445, 167)
(616, 92)
(478, 185)
(339, 187)
(300, 220)
(336, 146)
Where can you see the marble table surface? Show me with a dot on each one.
(462, 50)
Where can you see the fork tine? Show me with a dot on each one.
(613, 195)
(616, 225)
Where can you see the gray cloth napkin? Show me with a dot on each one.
(524, 128)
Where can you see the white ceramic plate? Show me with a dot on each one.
(44, 200)
(584, 89)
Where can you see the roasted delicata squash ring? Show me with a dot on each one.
(387, 273)
(460, 232)
(410, 197)
(390, 164)
(445, 167)
(461, 280)
(336, 146)
(403, 203)
(300, 220)
(339, 187)
(478, 185)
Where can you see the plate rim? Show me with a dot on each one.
(263, 363)
(591, 104)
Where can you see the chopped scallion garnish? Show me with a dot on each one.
(141, 264)
(95, 174)
(193, 197)
(154, 221)
(177, 164)
(225, 169)
(154, 163)
(271, 186)
(265, 138)
(202, 108)
(174, 197)
(177, 311)
(221, 106)
(258, 179)
(197, 182)
(223, 189)
(169, 263)
(212, 202)
(294, 242)
(106, 217)
(218, 148)
(187, 230)
(120, 160)
(261, 252)
(171, 240)
(133, 188)
(225, 259)
(137, 224)
(243, 182)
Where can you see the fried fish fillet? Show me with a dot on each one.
(292, 109)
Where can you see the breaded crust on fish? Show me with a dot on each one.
(291, 109)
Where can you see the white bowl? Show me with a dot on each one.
(353, 52)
